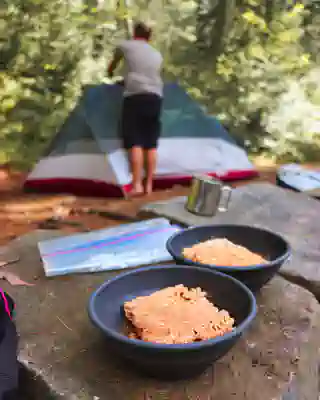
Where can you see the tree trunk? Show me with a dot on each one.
(269, 11)
(213, 25)
(125, 22)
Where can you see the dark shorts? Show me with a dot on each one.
(141, 121)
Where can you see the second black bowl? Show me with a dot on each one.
(271, 246)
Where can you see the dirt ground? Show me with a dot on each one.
(84, 213)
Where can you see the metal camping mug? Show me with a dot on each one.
(207, 196)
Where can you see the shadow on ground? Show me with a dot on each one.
(33, 387)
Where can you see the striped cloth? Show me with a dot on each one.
(121, 247)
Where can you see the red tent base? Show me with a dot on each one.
(91, 188)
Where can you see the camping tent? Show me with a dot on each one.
(86, 156)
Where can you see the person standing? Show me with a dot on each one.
(142, 103)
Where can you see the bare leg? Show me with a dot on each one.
(136, 164)
(151, 163)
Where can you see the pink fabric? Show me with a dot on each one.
(6, 304)
(87, 187)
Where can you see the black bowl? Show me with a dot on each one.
(170, 361)
(271, 246)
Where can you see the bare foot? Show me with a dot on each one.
(148, 190)
(136, 191)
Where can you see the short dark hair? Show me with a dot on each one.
(141, 30)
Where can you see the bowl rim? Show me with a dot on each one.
(225, 268)
(237, 331)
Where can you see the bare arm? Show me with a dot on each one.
(117, 57)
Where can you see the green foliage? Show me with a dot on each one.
(293, 123)
(249, 80)
(48, 51)
(244, 60)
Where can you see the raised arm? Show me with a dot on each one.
(117, 57)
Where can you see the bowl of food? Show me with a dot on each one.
(172, 321)
(252, 255)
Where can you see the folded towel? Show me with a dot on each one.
(301, 179)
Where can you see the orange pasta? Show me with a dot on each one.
(176, 315)
(222, 252)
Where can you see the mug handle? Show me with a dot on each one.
(225, 197)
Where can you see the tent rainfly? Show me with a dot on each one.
(86, 157)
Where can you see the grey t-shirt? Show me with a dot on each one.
(142, 67)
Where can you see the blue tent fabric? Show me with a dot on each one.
(74, 127)
(88, 149)
(97, 116)
(181, 115)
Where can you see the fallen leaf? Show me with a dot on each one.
(7, 262)
(13, 279)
